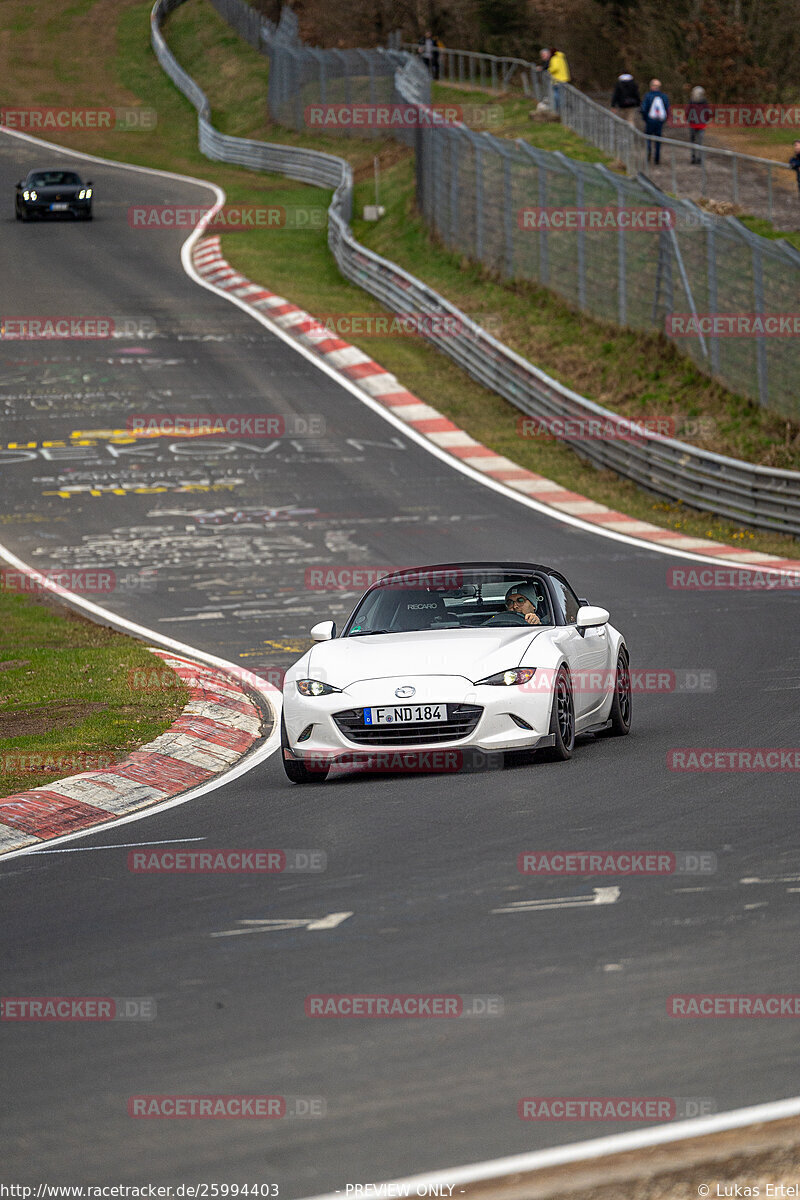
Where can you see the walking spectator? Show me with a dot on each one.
(626, 97)
(426, 48)
(655, 110)
(794, 162)
(559, 71)
(698, 119)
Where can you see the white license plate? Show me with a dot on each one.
(404, 714)
(59, 207)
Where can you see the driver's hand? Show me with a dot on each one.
(532, 619)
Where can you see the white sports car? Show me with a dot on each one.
(453, 658)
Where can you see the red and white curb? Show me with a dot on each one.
(216, 728)
(386, 389)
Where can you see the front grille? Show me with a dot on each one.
(461, 720)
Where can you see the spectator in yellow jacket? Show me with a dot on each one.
(558, 68)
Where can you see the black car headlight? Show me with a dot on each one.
(515, 675)
(315, 687)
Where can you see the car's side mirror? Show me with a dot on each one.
(19, 185)
(589, 615)
(88, 183)
(324, 631)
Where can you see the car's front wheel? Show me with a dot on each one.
(297, 771)
(621, 705)
(562, 718)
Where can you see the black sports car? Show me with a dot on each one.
(51, 194)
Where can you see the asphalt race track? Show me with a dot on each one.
(216, 555)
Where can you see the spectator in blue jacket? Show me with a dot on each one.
(655, 110)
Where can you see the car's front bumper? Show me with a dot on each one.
(495, 728)
(43, 208)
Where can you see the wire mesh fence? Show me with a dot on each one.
(611, 245)
(623, 251)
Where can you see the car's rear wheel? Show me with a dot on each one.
(621, 705)
(562, 719)
(297, 771)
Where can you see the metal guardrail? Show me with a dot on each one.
(754, 495)
(474, 69)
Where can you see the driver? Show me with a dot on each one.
(522, 600)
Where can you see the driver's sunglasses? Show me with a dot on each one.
(513, 600)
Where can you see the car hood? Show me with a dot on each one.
(66, 190)
(472, 653)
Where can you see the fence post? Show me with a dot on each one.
(508, 215)
(581, 245)
(713, 298)
(735, 162)
(420, 167)
(476, 149)
(758, 306)
(622, 275)
(455, 154)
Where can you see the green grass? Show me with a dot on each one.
(85, 681)
(765, 229)
(509, 116)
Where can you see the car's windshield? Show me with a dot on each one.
(449, 600)
(54, 179)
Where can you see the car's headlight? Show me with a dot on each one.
(315, 687)
(509, 678)
(85, 194)
(29, 195)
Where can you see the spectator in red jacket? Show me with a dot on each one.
(698, 115)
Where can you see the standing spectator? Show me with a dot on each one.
(794, 162)
(559, 71)
(626, 97)
(438, 45)
(426, 49)
(698, 119)
(655, 110)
